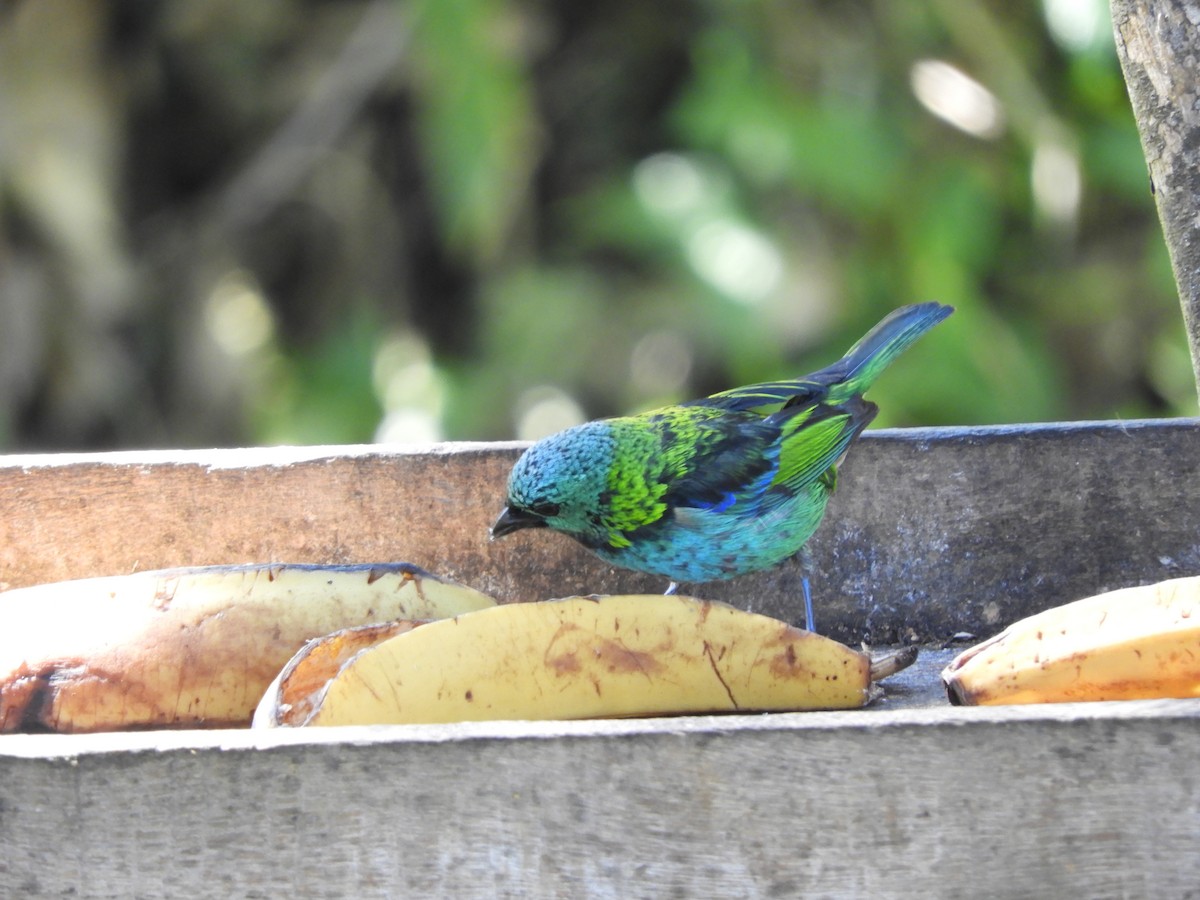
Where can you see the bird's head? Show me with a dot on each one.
(560, 483)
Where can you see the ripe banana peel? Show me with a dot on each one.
(1130, 644)
(189, 647)
(588, 657)
(297, 690)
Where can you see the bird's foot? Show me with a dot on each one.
(671, 589)
(809, 624)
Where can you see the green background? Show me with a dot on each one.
(228, 223)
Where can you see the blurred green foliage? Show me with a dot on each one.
(301, 221)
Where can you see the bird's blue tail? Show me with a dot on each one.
(874, 352)
(850, 376)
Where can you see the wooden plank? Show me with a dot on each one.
(932, 531)
(1090, 800)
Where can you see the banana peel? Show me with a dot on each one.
(298, 689)
(188, 647)
(1130, 644)
(577, 658)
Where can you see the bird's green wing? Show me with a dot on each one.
(814, 441)
(704, 458)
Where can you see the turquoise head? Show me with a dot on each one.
(561, 483)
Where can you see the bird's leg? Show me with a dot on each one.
(804, 556)
(809, 624)
(671, 589)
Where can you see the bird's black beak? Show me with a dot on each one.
(514, 520)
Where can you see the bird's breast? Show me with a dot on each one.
(697, 545)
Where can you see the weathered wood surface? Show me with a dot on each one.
(1158, 42)
(1097, 800)
(932, 531)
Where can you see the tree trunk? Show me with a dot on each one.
(1158, 42)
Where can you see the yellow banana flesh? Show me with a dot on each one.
(581, 658)
(1135, 643)
(191, 647)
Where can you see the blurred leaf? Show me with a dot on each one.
(324, 393)
(477, 117)
(841, 148)
(1114, 161)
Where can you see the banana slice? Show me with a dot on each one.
(587, 657)
(191, 647)
(1131, 644)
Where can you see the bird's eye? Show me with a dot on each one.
(545, 509)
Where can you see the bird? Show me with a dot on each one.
(713, 488)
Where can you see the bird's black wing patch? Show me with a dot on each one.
(732, 455)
